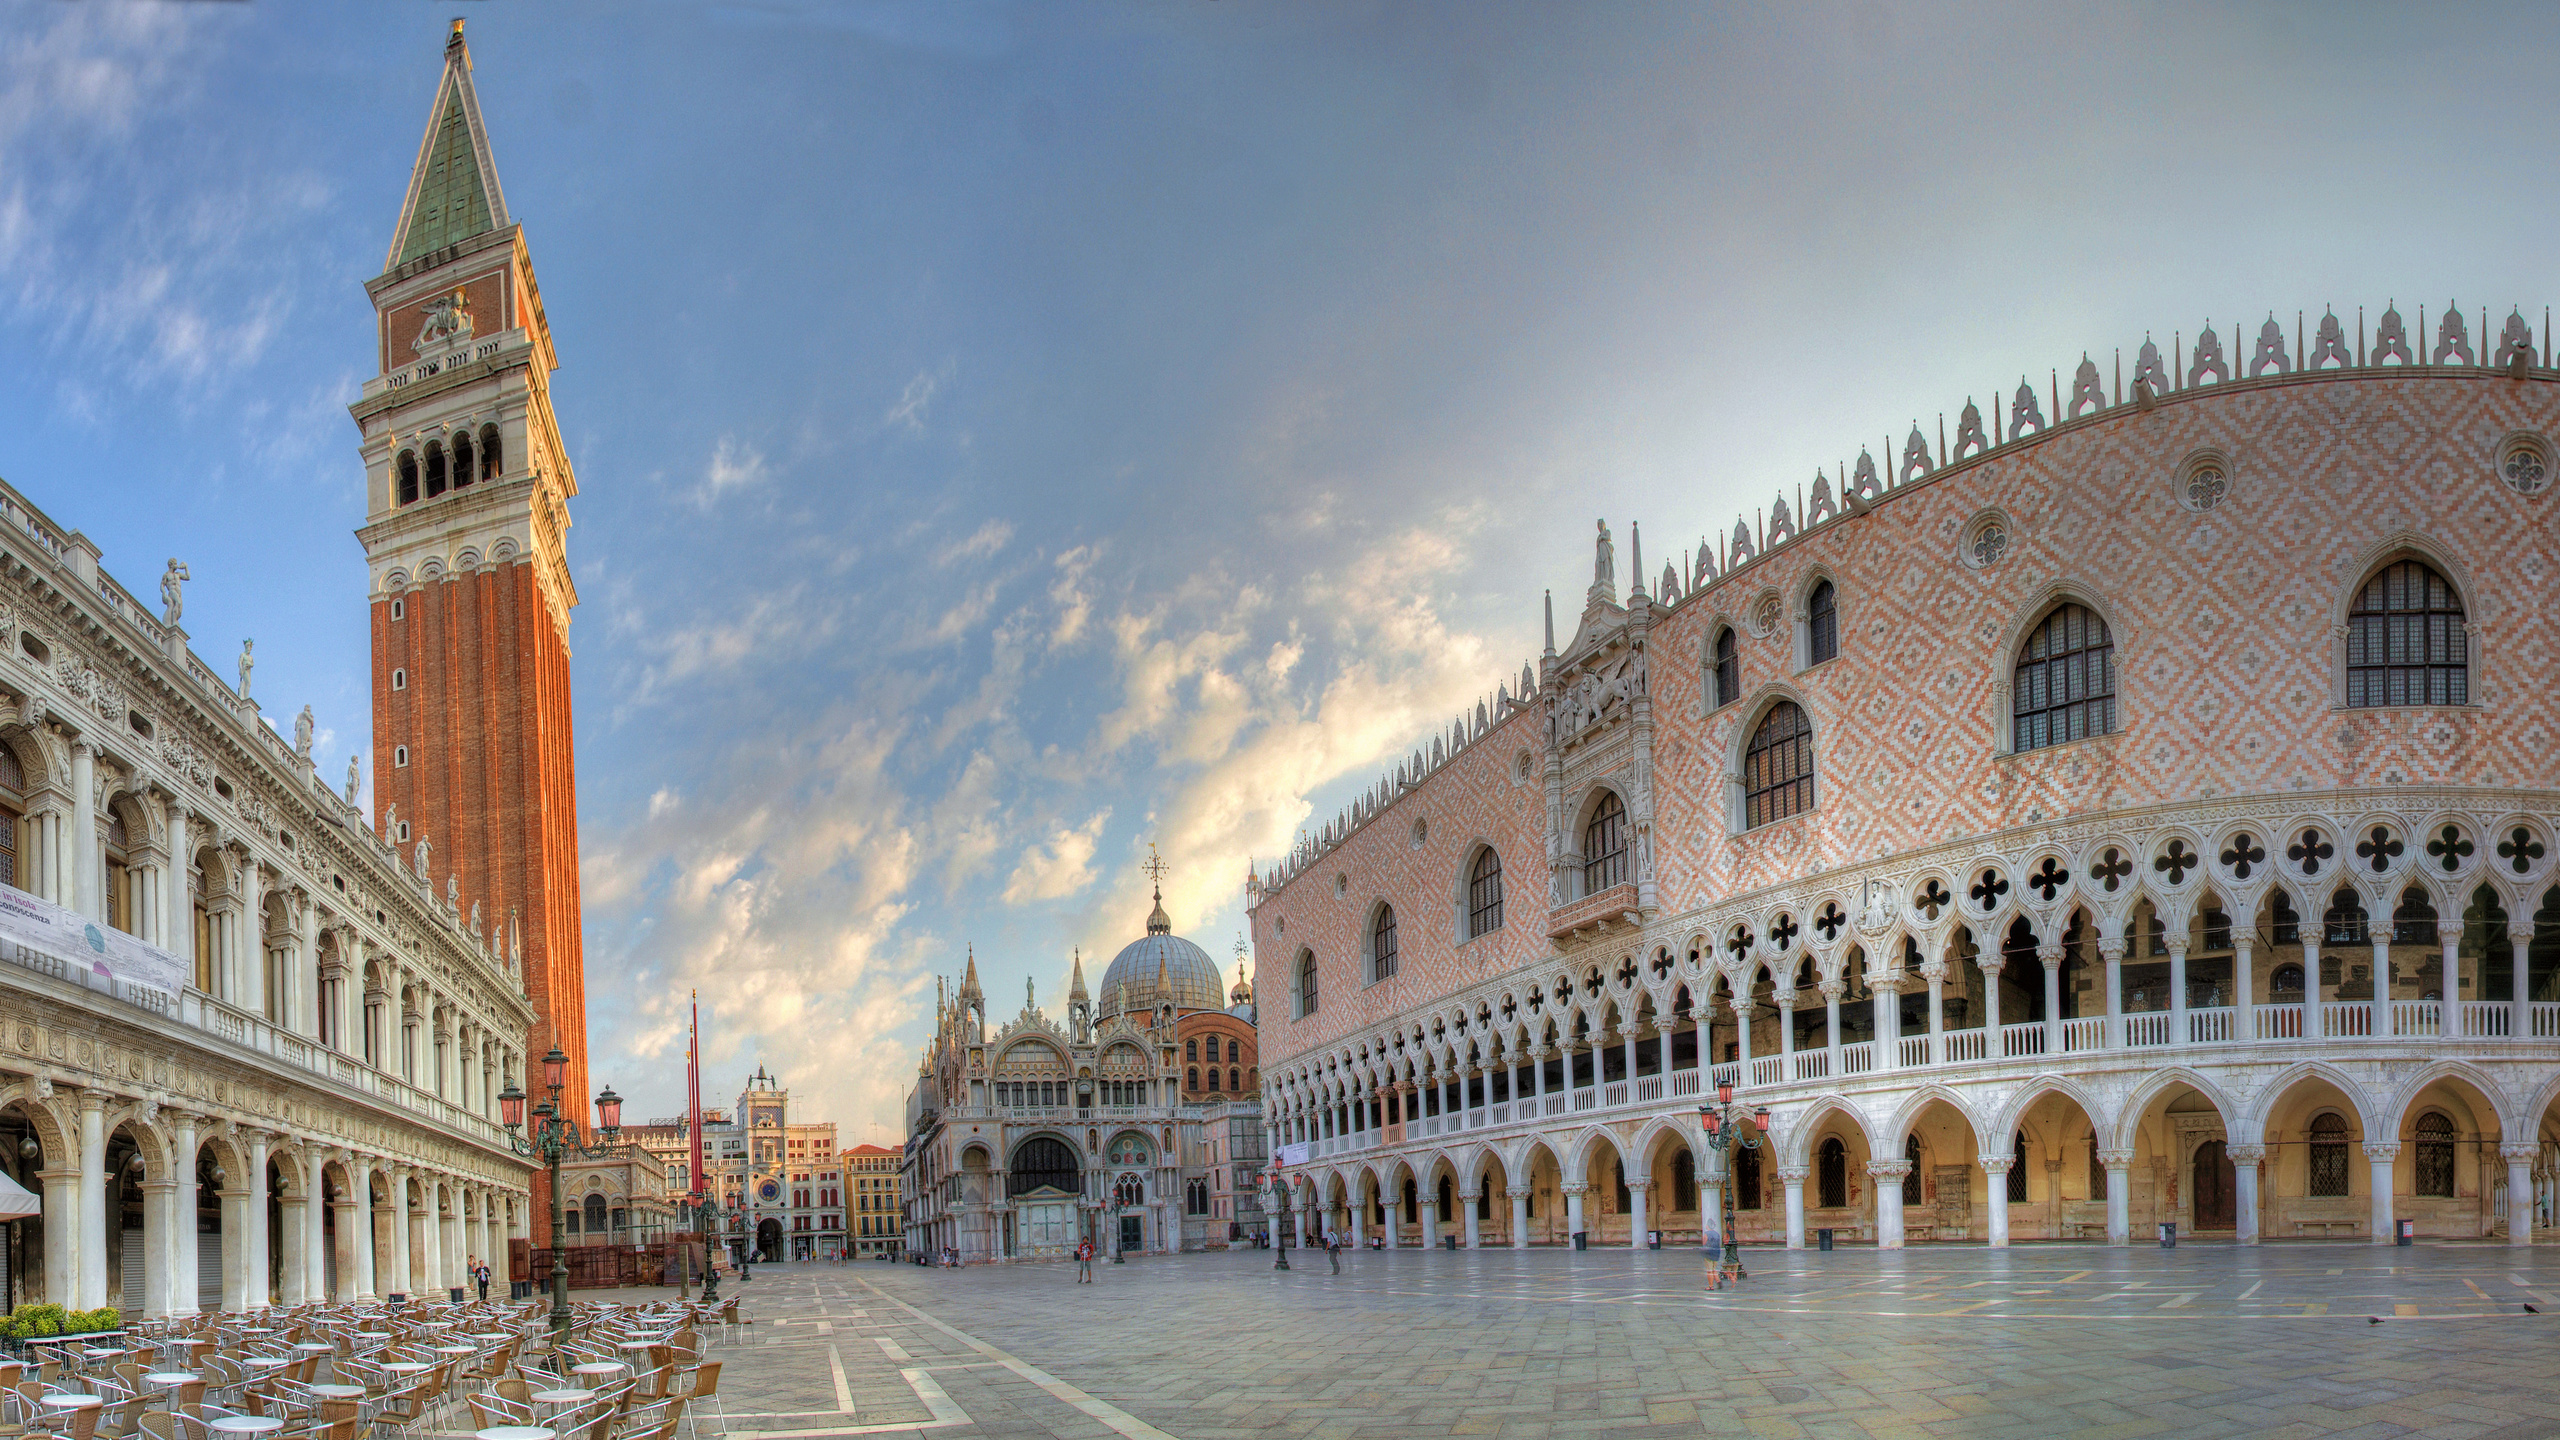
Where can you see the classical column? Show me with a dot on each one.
(2381, 1156)
(2111, 951)
(2382, 980)
(183, 1254)
(254, 1253)
(2050, 956)
(1573, 1226)
(1519, 1217)
(2520, 1003)
(2244, 990)
(315, 1234)
(306, 980)
(2178, 989)
(1742, 1033)
(1636, 1197)
(2519, 1160)
(2312, 1024)
(85, 856)
(1936, 974)
(1792, 1176)
(62, 1226)
(2449, 1014)
(1467, 1207)
(1786, 999)
(94, 1190)
(1884, 993)
(2119, 1195)
(2245, 1160)
(248, 949)
(1359, 1221)
(300, 1215)
(235, 1239)
(159, 1214)
(429, 1219)
(1990, 963)
(1996, 1170)
(1427, 1206)
(1831, 990)
(177, 898)
(1630, 1038)
(1888, 1175)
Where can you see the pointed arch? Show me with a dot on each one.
(1521, 1164)
(1915, 1102)
(1795, 1142)
(2013, 1115)
(2249, 1126)
(2470, 1075)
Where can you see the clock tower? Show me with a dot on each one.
(466, 544)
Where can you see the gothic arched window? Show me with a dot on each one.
(1382, 944)
(2018, 1170)
(2328, 1156)
(1777, 769)
(2405, 641)
(1684, 1181)
(1484, 894)
(492, 455)
(407, 465)
(2435, 1155)
(1911, 1180)
(435, 469)
(1604, 846)
(1746, 1177)
(1727, 677)
(1306, 982)
(595, 1215)
(1822, 624)
(2065, 685)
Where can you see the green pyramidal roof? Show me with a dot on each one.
(453, 192)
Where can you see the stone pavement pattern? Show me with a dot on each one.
(2278, 1341)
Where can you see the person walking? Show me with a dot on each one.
(1333, 1250)
(480, 1278)
(1084, 1262)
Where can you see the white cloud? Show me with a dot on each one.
(907, 412)
(1062, 867)
(986, 540)
(734, 465)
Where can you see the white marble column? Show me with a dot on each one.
(1995, 1169)
(2178, 989)
(86, 859)
(1636, 1197)
(299, 1216)
(1519, 1219)
(2449, 1023)
(1991, 963)
(62, 1226)
(1467, 1208)
(2382, 976)
(1936, 975)
(1359, 1221)
(235, 1238)
(1573, 1211)
(2119, 1195)
(1786, 1036)
(1793, 1178)
(254, 1253)
(306, 971)
(1887, 1176)
(2312, 1023)
(159, 1209)
(177, 892)
(2244, 989)
(1831, 992)
(2111, 951)
(1742, 1033)
(2245, 1160)
(2050, 956)
(2519, 1160)
(2380, 1157)
(94, 1191)
(181, 1251)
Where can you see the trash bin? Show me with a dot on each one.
(1822, 1238)
(1653, 1239)
(2169, 1235)
(1581, 1240)
(1448, 1242)
(2408, 1231)
(453, 1293)
(396, 1298)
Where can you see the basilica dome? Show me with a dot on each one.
(1197, 985)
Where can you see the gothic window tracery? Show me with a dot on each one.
(2406, 644)
(1604, 846)
(2064, 688)
(1777, 769)
(2328, 1156)
(2435, 1155)
(1727, 678)
(1382, 945)
(1484, 894)
(1822, 624)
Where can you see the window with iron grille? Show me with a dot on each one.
(2328, 1156)
(2065, 685)
(1604, 846)
(1777, 769)
(1382, 944)
(1728, 675)
(1484, 895)
(1822, 625)
(2435, 1156)
(2405, 641)
(2018, 1171)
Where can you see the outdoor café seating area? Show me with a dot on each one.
(368, 1370)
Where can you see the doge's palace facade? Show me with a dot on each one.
(2137, 810)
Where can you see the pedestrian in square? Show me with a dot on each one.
(1084, 1262)
(1333, 1251)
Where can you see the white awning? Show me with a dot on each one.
(16, 1202)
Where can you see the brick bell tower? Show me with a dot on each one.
(465, 539)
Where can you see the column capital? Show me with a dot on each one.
(1470, 1194)
(2111, 947)
(1998, 1164)
(2382, 1149)
(2519, 1154)
(2050, 953)
(1989, 962)
(2116, 1159)
(1576, 1187)
(93, 1098)
(1833, 989)
(1888, 1169)
(2245, 1154)
(1639, 1184)
(1793, 1174)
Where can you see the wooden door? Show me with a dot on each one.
(2215, 1185)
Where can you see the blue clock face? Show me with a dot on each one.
(770, 1190)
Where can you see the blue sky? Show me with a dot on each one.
(1010, 435)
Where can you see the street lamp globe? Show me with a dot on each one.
(511, 1105)
(555, 1069)
(609, 1112)
(1724, 1089)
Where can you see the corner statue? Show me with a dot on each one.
(1604, 563)
(173, 596)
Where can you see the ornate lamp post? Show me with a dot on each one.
(555, 1134)
(1724, 1131)
(1279, 1233)
(707, 1214)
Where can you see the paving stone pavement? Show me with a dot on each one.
(2277, 1341)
